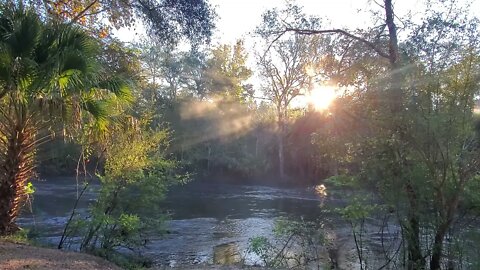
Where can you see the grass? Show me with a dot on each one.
(22, 236)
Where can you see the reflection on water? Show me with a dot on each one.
(226, 254)
(210, 223)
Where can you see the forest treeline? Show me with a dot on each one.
(144, 116)
(222, 128)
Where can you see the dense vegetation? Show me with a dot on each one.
(141, 117)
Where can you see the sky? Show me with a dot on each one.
(239, 17)
(236, 18)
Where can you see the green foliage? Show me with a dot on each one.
(170, 22)
(136, 176)
(52, 78)
(29, 189)
(22, 236)
(358, 210)
(204, 98)
(262, 247)
(342, 181)
(404, 129)
(356, 213)
(294, 244)
(226, 72)
(472, 196)
(410, 138)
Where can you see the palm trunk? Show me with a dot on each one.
(16, 168)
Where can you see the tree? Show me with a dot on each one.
(168, 20)
(412, 138)
(284, 67)
(135, 179)
(385, 45)
(209, 108)
(49, 72)
(226, 72)
(165, 69)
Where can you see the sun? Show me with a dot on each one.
(321, 97)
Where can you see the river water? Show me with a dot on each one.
(203, 217)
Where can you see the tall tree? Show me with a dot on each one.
(434, 67)
(226, 71)
(168, 20)
(48, 72)
(285, 69)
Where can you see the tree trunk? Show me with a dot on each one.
(281, 144)
(392, 34)
(396, 95)
(415, 258)
(281, 156)
(395, 104)
(16, 169)
(438, 247)
(257, 143)
(442, 230)
(209, 154)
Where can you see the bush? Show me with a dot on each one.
(134, 182)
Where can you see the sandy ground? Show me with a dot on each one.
(15, 256)
(18, 256)
(214, 267)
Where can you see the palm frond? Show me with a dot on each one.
(97, 109)
(119, 87)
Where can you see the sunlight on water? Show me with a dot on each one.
(321, 190)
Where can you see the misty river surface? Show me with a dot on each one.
(202, 216)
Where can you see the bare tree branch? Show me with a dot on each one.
(372, 45)
(82, 13)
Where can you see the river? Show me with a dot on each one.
(203, 217)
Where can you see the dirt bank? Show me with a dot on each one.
(19, 256)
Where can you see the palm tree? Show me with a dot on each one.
(49, 73)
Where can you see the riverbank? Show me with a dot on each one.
(15, 256)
